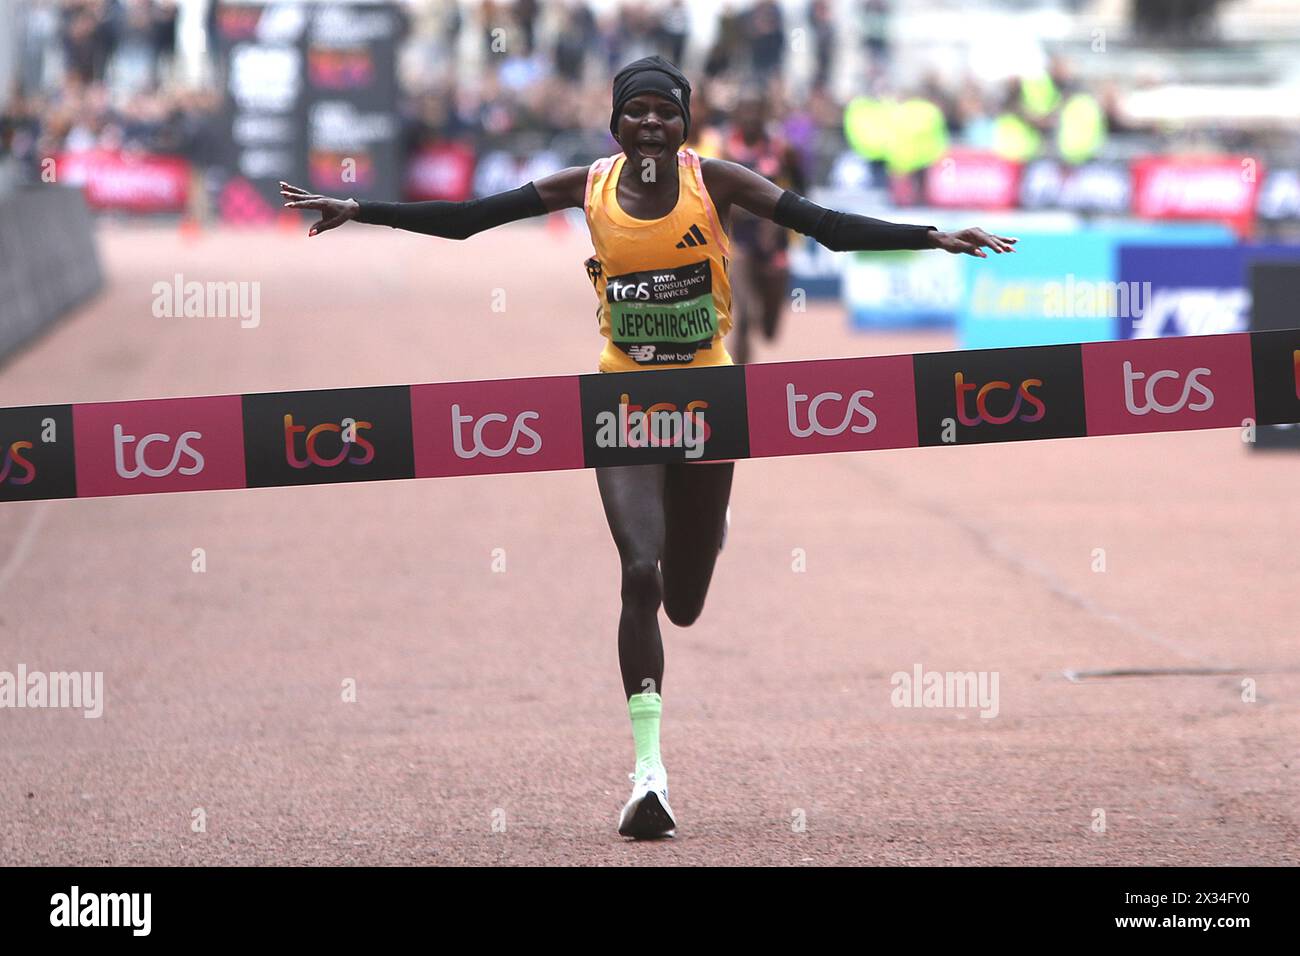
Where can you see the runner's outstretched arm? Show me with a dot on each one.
(839, 231)
(449, 220)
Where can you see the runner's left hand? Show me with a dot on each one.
(333, 212)
(971, 241)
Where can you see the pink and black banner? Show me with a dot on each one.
(112, 179)
(1242, 380)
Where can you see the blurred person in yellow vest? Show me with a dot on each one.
(1039, 96)
(905, 137)
(1080, 128)
(1015, 136)
(920, 136)
(867, 126)
(1051, 103)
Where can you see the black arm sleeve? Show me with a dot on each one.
(845, 232)
(456, 220)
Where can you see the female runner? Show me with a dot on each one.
(654, 208)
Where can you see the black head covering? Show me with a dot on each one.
(651, 74)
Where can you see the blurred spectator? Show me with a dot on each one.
(85, 43)
(821, 24)
(802, 127)
(934, 90)
(767, 37)
(638, 34)
(976, 122)
(874, 18)
(526, 16)
(673, 30)
(496, 25)
(20, 130)
(1015, 136)
(135, 60)
(39, 26)
(726, 42)
(577, 36)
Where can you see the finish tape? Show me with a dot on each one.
(587, 421)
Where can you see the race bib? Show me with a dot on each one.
(663, 316)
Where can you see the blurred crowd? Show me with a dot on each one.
(551, 84)
(100, 74)
(105, 74)
(554, 82)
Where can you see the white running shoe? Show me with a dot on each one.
(647, 815)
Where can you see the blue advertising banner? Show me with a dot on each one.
(1193, 290)
(1057, 288)
(901, 289)
(1043, 294)
(890, 290)
(886, 290)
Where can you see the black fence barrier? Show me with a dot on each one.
(49, 262)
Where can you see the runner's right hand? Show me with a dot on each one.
(333, 212)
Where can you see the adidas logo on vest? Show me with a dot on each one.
(693, 238)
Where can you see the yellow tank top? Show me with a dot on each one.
(662, 285)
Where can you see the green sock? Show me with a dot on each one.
(644, 709)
